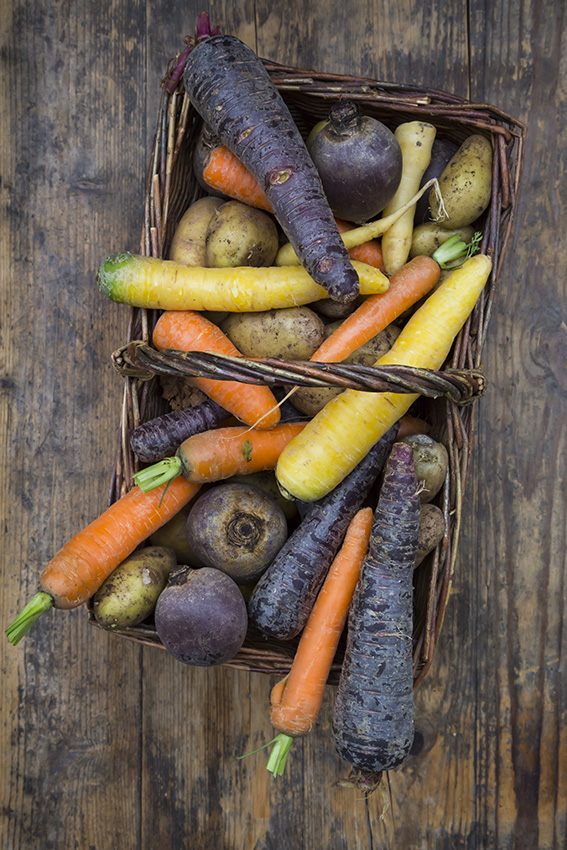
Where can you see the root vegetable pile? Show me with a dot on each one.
(341, 504)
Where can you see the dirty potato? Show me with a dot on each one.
(239, 235)
(294, 333)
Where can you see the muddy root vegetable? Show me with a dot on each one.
(234, 94)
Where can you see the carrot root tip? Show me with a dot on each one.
(158, 474)
(37, 606)
(278, 756)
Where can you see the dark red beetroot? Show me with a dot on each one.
(234, 94)
(359, 160)
(201, 617)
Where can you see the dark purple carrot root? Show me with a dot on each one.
(373, 722)
(283, 598)
(161, 437)
(234, 94)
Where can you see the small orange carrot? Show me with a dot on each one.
(369, 252)
(77, 571)
(410, 425)
(407, 286)
(225, 173)
(219, 454)
(296, 700)
(187, 330)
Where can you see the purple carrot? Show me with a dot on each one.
(283, 598)
(373, 722)
(234, 94)
(161, 437)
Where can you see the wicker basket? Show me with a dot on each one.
(171, 188)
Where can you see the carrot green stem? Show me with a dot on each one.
(37, 606)
(278, 756)
(158, 473)
(455, 249)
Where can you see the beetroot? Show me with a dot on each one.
(201, 617)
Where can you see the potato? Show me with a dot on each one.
(293, 333)
(188, 243)
(174, 535)
(310, 400)
(431, 462)
(239, 235)
(431, 532)
(429, 236)
(334, 309)
(130, 593)
(238, 529)
(465, 184)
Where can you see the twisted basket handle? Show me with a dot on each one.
(139, 360)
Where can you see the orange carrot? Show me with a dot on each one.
(369, 252)
(187, 330)
(224, 172)
(296, 700)
(410, 425)
(407, 286)
(221, 453)
(76, 572)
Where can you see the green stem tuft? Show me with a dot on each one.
(278, 756)
(157, 474)
(455, 249)
(40, 603)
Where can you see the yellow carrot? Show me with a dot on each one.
(165, 285)
(416, 139)
(338, 437)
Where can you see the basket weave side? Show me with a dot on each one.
(171, 187)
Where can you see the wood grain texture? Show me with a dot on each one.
(107, 745)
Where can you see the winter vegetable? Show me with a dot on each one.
(431, 461)
(266, 481)
(283, 598)
(465, 184)
(373, 718)
(360, 235)
(240, 235)
(296, 700)
(238, 529)
(359, 160)
(189, 331)
(234, 94)
(160, 437)
(310, 400)
(174, 535)
(369, 252)
(201, 617)
(77, 571)
(216, 455)
(222, 171)
(188, 243)
(431, 530)
(441, 152)
(293, 333)
(130, 593)
(416, 139)
(454, 251)
(414, 280)
(335, 440)
(429, 236)
(165, 285)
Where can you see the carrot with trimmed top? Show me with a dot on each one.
(77, 571)
(407, 287)
(296, 700)
(219, 454)
(187, 330)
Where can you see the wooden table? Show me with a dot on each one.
(108, 746)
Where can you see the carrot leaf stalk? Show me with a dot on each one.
(455, 249)
(37, 606)
(158, 473)
(278, 756)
